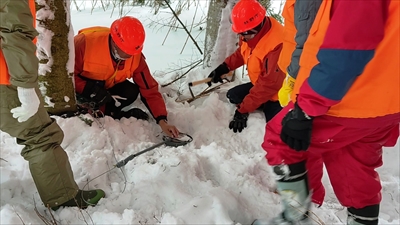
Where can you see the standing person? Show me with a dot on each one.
(260, 46)
(23, 116)
(105, 60)
(299, 16)
(347, 109)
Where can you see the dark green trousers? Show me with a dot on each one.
(41, 136)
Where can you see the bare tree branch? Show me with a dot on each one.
(194, 66)
(184, 27)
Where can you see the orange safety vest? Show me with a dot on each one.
(97, 64)
(289, 33)
(364, 99)
(254, 58)
(4, 75)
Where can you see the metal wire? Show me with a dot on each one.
(168, 141)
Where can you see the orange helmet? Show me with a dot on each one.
(128, 34)
(246, 15)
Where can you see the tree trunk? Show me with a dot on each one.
(213, 25)
(56, 55)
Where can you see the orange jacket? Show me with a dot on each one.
(254, 58)
(363, 99)
(289, 33)
(261, 55)
(309, 55)
(93, 61)
(4, 75)
(98, 67)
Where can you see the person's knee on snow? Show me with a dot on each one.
(124, 94)
(94, 91)
(232, 97)
(236, 94)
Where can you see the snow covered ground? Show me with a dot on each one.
(219, 178)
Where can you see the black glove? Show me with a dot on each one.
(217, 73)
(95, 93)
(296, 129)
(239, 121)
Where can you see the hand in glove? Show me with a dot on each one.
(217, 73)
(296, 129)
(286, 90)
(96, 93)
(29, 104)
(239, 121)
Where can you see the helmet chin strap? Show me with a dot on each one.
(116, 55)
(249, 37)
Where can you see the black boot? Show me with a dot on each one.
(135, 112)
(364, 216)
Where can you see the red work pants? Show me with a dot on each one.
(351, 150)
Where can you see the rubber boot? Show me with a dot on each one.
(292, 186)
(365, 216)
(83, 199)
(282, 221)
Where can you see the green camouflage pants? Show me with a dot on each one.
(41, 136)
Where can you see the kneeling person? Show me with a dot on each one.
(259, 47)
(106, 59)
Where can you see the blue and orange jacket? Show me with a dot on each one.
(93, 60)
(350, 68)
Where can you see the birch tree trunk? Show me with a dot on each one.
(213, 24)
(56, 55)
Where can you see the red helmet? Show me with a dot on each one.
(246, 15)
(128, 34)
